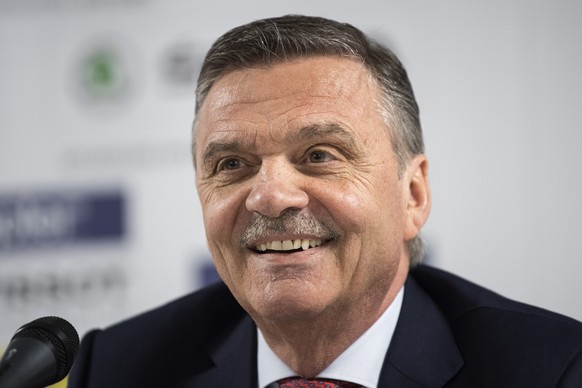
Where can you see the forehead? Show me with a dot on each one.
(330, 75)
(289, 95)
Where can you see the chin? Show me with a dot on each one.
(289, 304)
(288, 313)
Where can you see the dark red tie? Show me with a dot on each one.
(297, 382)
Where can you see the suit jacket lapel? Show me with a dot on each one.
(234, 358)
(423, 352)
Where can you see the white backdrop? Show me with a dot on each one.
(96, 101)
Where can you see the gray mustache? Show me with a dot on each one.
(289, 222)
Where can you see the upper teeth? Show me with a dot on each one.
(288, 245)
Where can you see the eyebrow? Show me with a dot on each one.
(323, 130)
(309, 132)
(215, 148)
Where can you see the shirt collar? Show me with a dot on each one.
(360, 363)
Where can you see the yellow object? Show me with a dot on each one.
(60, 384)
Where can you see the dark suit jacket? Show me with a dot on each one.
(450, 333)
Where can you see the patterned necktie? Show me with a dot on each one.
(297, 382)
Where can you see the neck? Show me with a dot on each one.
(308, 346)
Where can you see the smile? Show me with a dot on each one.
(288, 245)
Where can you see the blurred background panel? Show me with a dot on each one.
(99, 216)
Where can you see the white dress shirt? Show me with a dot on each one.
(360, 363)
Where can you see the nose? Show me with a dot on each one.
(278, 188)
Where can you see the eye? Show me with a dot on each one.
(319, 156)
(229, 164)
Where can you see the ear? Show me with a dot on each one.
(417, 195)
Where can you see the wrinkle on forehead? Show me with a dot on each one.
(237, 102)
(327, 81)
(239, 89)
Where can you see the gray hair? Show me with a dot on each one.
(264, 43)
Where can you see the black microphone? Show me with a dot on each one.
(41, 353)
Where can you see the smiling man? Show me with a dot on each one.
(306, 211)
(313, 183)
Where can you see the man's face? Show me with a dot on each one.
(303, 207)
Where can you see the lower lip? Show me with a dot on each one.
(289, 258)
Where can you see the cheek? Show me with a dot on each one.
(371, 217)
(221, 212)
(221, 216)
(358, 205)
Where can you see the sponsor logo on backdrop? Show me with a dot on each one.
(61, 253)
(135, 157)
(180, 66)
(72, 286)
(39, 220)
(30, 6)
(104, 75)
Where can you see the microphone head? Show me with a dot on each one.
(59, 334)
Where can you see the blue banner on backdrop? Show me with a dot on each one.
(39, 220)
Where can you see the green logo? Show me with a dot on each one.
(103, 75)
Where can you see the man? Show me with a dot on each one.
(313, 183)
